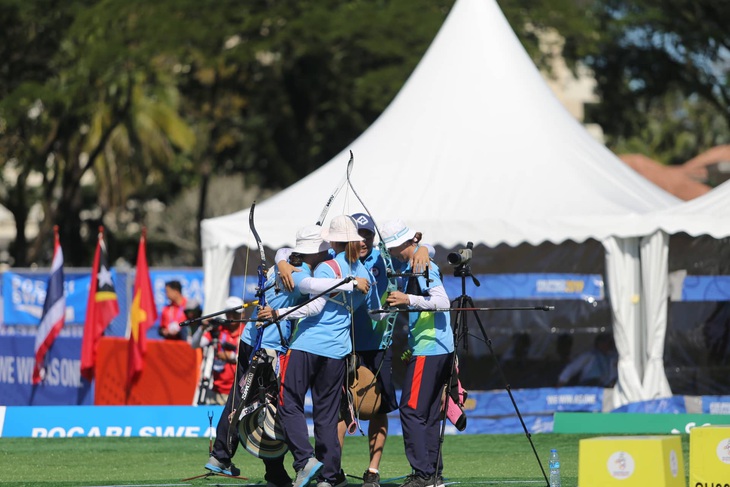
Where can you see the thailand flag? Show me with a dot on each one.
(54, 312)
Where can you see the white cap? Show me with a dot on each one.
(343, 228)
(233, 302)
(309, 240)
(394, 233)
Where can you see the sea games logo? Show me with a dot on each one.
(673, 463)
(620, 465)
(723, 451)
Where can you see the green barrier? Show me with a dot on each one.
(634, 423)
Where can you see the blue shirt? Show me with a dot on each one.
(328, 333)
(282, 299)
(430, 333)
(369, 332)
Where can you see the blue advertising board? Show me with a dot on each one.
(24, 294)
(487, 412)
(62, 384)
(587, 287)
(706, 288)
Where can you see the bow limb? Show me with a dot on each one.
(336, 191)
(261, 274)
(387, 259)
(261, 270)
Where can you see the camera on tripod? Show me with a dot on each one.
(214, 326)
(461, 256)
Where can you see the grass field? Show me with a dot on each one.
(468, 460)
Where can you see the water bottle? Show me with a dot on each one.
(554, 464)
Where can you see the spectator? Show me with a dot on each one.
(223, 336)
(519, 368)
(596, 367)
(174, 313)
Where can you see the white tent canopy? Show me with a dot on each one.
(475, 147)
(708, 214)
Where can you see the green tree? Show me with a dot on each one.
(96, 84)
(664, 62)
(661, 67)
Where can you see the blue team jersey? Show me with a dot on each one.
(369, 332)
(429, 333)
(282, 299)
(328, 333)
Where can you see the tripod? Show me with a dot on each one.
(204, 391)
(462, 306)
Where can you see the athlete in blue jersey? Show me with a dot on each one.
(431, 341)
(316, 358)
(372, 352)
(309, 251)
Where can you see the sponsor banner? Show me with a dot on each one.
(668, 405)
(24, 294)
(535, 401)
(588, 287)
(77, 421)
(716, 404)
(706, 288)
(187, 422)
(634, 423)
(62, 384)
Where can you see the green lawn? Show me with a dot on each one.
(468, 460)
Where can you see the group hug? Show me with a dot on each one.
(329, 302)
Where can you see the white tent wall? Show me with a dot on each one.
(708, 214)
(474, 147)
(654, 265)
(623, 275)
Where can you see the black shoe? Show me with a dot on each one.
(370, 479)
(414, 481)
(340, 479)
(439, 481)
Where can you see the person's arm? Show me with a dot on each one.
(285, 269)
(421, 259)
(316, 285)
(227, 352)
(436, 298)
(196, 340)
(312, 308)
(283, 254)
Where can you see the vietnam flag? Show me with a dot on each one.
(142, 315)
(101, 308)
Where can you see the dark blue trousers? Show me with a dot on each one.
(275, 471)
(300, 372)
(420, 411)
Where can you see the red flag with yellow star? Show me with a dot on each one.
(142, 315)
